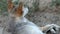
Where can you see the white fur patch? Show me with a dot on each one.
(25, 11)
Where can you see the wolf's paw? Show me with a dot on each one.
(53, 29)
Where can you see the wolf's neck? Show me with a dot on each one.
(21, 19)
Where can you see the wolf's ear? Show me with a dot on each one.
(19, 11)
(10, 5)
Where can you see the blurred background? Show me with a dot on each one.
(41, 12)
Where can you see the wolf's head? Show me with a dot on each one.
(17, 10)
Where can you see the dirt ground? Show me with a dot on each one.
(45, 17)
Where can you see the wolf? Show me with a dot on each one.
(19, 24)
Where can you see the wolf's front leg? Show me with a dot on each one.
(53, 28)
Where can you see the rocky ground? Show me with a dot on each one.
(42, 18)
